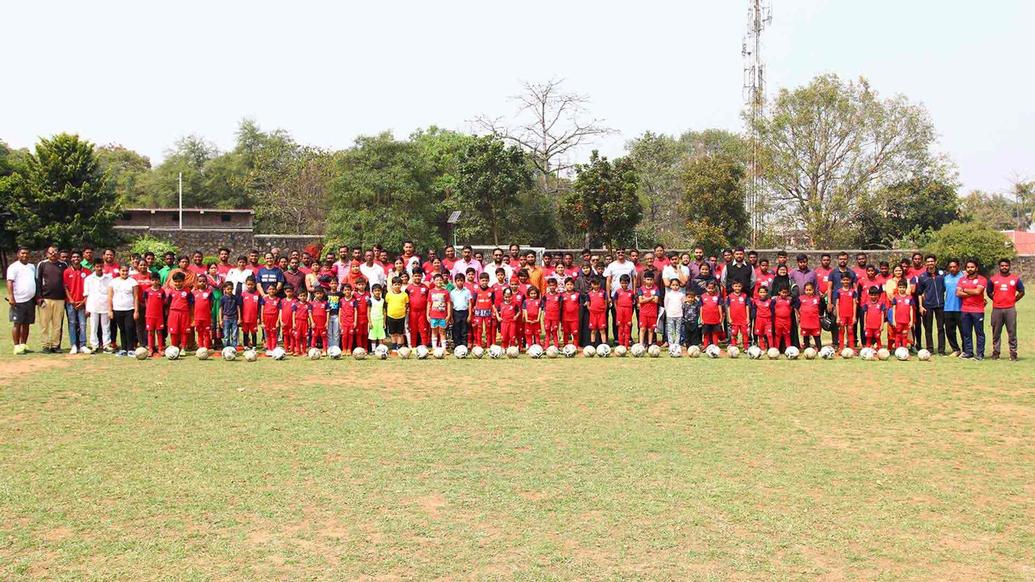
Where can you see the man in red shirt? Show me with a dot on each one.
(1005, 289)
(971, 290)
(75, 302)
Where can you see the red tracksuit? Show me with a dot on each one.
(203, 317)
(808, 309)
(846, 311)
(301, 326)
(763, 321)
(154, 318)
(509, 311)
(519, 321)
(624, 300)
(271, 311)
(783, 309)
(902, 308)
(711, 314)
(532, 308)
(250, 312)
(597, 310)
(738, 307)
(570, 306)
(873, 314)
(319, 315)
(180, 304)
(648, 311)
(420, 329)
(362, 319)
(552, 317)
(347, 321)
(483, 324)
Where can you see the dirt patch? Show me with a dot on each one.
(57, 534)
(16, 368)
(431, 504)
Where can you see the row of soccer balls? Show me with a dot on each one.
(568, 351)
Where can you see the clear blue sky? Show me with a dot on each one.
(145, 73)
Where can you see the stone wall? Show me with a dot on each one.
(239, 241)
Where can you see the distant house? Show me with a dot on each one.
(144, 219)
(1023, 241)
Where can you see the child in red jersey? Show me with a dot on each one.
(764, 277)
(154, 299)
(873, 315)
(783, 310)
(499, 286)
(484, 314)
(250, 300)
(420, 330)
(532, 317)
(762, 315)
(348, 319)
(271, 314)
(846, 301)
(203, 312)
(439, 311)
(551, 313)
(180, 303)
(519, 322)
(596, 303)
(320, 315)
(362, 295)
(809, 306)
(648, 299)
(624, 301)
(902, 314)
(712, 313)
(738, 312)
(507, 316)
(571, 303)
(300, 326)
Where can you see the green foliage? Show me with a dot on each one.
(211, 179)
(491, 176)
(965, 240)
(128, 171)
(998, 211)
(12, 163)
(713, 201)
(907, 211)
(62, 196)
(149, 244)
(603, 202)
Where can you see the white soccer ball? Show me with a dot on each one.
(693, 352)
(552, 352)
(570, 350)
(654, 350)
(733, 352)
(589, 351)
(883, 354)
(460, 352)
(359, 354)
(535, 351)
(867, 354)
(603, 351)
(142, 353)
(478, 352)
(251, 355)
(334, 353)
(810, 353)
(713, 351)
(404, 353)
(924, 355)
(381, 352)
(202, 353)
(421, 352)
(172, 352)
(495, 352)
(675, 351)
(902, 354)
(754, 352)
(621, 351)
(827, 353)
(848, 353)
(314, 353)
(637, 350)
(278, 354)
(792, 353)
(773, 353)
(229, 353)
(513, 352)
(438, 353)
(85, 350)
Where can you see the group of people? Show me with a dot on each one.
(359, 298)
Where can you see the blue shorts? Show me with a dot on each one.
(438, 323)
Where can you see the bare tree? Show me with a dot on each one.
(549, 123)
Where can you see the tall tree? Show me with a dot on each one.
(907, 211)
(657, 159)
(63, 196)
(996, 211)
(12, 163)
(713, 201)
(127, 169)
(491, 175)
(602, 203)
(826, 145)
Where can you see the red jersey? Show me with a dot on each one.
(362, 305)
(597, 301)
(197, 269)
(764, 280)
(873, 314)
(223, 269)
(823, 280)
(180, 300)
(302, 313)
(497, 290)
(484, 300)
(154, 303)
(808, 308)
(110, 269)
(439, 300)
(319, 311)
(418, 297)
(1004, 290)
(250, 307)
(143, 282)
(347, 313)
(737, 304)
(286, 308)
(509, 311)
(532, 308)
(271, 306)
(649, 309)
(570, 306)
(763, 310)
(860, 272)
(973, 303)
(202, 304)
(711, 309)
(845, 302)
(782, 309)
(74, 282)
(552, 306)
(624, 298)
(902, 308)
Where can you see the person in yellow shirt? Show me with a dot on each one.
(397, 307)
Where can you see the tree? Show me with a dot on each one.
(296, 200)
(965, 240)
(994, 210)
(491, 177)
(128, 171)
(907, 211)
(657, 159)
(63, 196)
(211, 179)
(550, 124)
(12, 163)
(603, 203)
(713, 201)
(825, 146)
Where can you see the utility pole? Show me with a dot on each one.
(759, 17)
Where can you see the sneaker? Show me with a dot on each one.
(120, 353)
(966, 357)
(979, 358)
(46, 350)
(73, 351)
(108, 350)
(994, 357)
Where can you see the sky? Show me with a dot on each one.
(143, 74)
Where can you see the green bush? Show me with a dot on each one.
(966, 240)
(146, 244)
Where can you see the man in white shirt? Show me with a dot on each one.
(95, 291)
(238, 276)
(614, 271)
(499, 263)
(21, 296)
(372, 272)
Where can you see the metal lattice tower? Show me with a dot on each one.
(759, 17)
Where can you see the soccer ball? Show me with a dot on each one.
(883, 354)
(513, 352)
(827, 353)
(902, 354)
(495, 352)
(810, 353)
(421, 352)
(314, 353)
(381, 352)
(792, 353)
(847, 353)
(552, 352)
(202, 353)
(460, 352)
(754, 352)
(478, 352)
(172, 352)
(924, 355)
(733, 351)
(603, 351)
(589, 351)
(359, 354)
(141, 353)
(693, 352)
(277, 354)
(404, 353)
(85, 350)
(439, 353)
(230, 354)
(570, 350)
(654, 350)
(867, 354)
(773, 354)
(637, 350)
(675, 351)
(535, 351)
(334, 353)
(713, 351)
(621, 351)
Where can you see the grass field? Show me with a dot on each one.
(654, 469)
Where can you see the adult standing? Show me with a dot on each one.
(342, 266)
(1005, 289)
(699, 260)
(951, 307)
(467, 261)
(612, 277)
(122, 303)
(50, 284)
(371, 271)
(738, 271)
(498, 263)
(169, 263)
(536, 275)
(514, 250)
(21, 298)
(294, 276)
(270, 275)
(238, 276)
(411, 262)
(930, 290)
(971, 290)
(75, 302)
